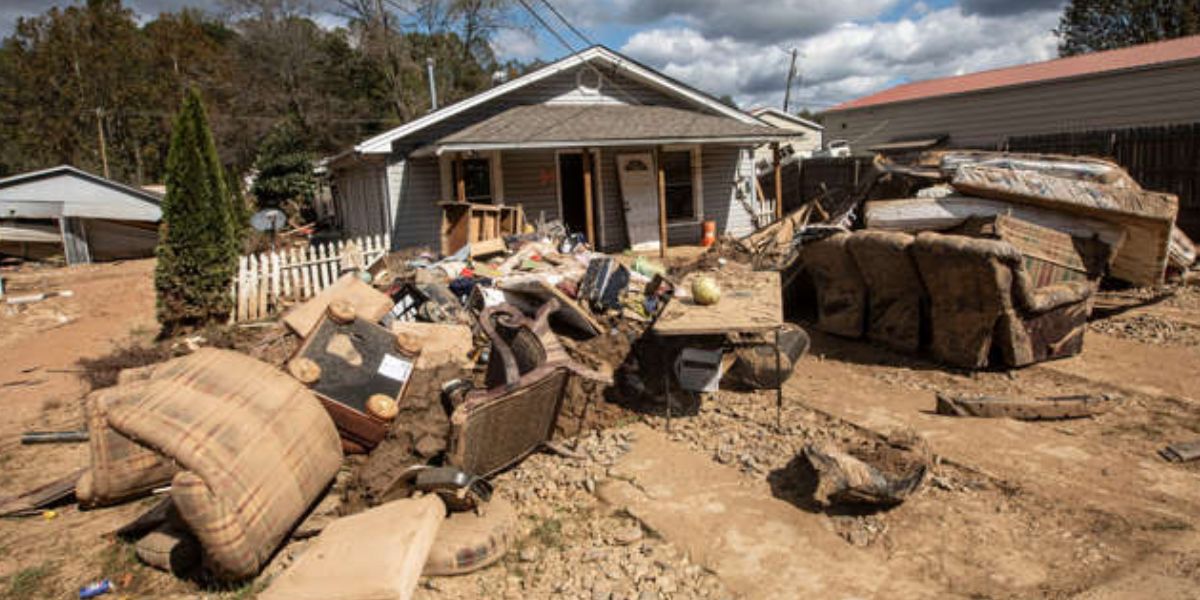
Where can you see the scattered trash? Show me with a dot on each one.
(34, 501)
(33, 298)
(95, 589)
(845, 479)
(1025, 409)
(1181, 452)
(698, 370)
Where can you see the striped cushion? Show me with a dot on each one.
(120, 468)
(257, 447)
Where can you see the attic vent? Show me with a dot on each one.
(589, 80)
(636, 165)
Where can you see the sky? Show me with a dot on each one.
(845, 48)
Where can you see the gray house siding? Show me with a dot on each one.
(523, 183)
(418, 218)
(360, 198)
(1158, 95)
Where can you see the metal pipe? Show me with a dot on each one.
(54, 437)
(432, 84)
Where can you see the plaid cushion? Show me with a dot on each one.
(120, 468)
(257, 447)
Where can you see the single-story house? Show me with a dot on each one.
(83, 217)
(640, 138)
(1147, 85)
(804, 140)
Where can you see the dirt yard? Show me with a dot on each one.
(1057, 509)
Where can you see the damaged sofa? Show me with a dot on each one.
(250, 451)
(985, 309)
(970, 302)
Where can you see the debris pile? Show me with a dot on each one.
(428, 377)
(981, 259)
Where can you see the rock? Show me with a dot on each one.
(628, 535)
(529, 554)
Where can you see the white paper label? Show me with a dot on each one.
(394, 367)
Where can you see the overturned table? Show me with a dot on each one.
(751, 306)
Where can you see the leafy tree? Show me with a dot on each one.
(728, 100)
(285, 175)
(1094, 25)
(198, 246)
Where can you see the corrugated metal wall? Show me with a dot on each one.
(1155, 96)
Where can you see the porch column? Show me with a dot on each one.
(587, 197)
(778, 182)
(662, 203)
(460, 183)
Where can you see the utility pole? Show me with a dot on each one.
(787, 94)
(100, 135)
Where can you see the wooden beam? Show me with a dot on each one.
(460, 182)
(587, 197)
(662, 204)
(778, 183)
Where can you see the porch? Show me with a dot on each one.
(639, 177)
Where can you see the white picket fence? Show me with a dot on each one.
(268, 281)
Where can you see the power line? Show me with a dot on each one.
(573, 29)
(547, 27)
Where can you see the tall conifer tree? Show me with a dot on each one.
(198, 243)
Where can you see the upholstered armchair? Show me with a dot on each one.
(984, 309)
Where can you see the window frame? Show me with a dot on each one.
(697, 182)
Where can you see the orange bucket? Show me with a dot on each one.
(708, 230)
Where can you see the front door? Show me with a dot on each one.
(640, 196)
(570, 178)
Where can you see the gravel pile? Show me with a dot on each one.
(570, 545)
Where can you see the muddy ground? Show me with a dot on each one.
(1066, 509)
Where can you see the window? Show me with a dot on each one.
(677, 171)
(477, 179)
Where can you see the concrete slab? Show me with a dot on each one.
(760, 546)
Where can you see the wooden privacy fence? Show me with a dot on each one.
(267, 281)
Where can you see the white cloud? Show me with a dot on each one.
(850, 59)
(515, 44)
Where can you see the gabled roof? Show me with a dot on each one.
(1134, 57)
(597, 56)
(551, 126)
(775, 112)
(65, 191)
(141, 194)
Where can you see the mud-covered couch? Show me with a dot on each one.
(966, 301)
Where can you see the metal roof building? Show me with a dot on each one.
(84, 217)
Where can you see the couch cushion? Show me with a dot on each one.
(120, 468)
(894, 290)
(257, 447)
(841, 292)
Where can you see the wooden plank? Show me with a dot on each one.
(587, 198)
(369, 303)
(779, 181)
(460, 182)
(751, 302)
(286, 274)
(264, 285)
(570, 311)
(662, 205)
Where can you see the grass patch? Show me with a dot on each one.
(31, 583)
(549, 533)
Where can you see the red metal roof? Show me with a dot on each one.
(1096, 62)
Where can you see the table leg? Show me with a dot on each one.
(778, 382)
(667, 395)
